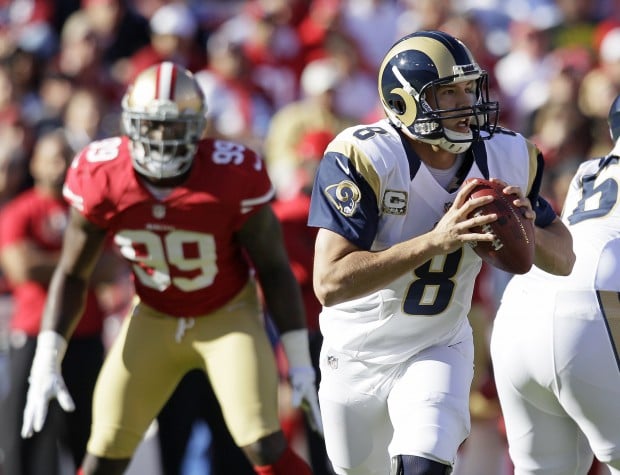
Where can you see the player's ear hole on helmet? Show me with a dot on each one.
(397, 105)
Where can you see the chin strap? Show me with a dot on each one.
(455, 142)
(443, 143)
(454, 147)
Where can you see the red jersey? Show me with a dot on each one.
(182, 248)
(42, 220)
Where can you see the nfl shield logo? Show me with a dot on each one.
(159, 211)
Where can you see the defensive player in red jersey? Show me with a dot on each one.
(192, 218)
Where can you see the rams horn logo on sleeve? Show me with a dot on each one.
(345, 196)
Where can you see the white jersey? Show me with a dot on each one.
(374, 190)
(555, 341)
(592, 213)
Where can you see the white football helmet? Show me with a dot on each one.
(413, 68)
(164, 117)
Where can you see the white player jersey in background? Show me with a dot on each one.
(592, 213)
(555, 339)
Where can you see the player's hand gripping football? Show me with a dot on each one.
(46, 382)
(302, 376)
(454, 229)
(520, 201)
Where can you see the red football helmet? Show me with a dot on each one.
(164, 117)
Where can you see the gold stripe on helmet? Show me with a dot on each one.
(434, 49)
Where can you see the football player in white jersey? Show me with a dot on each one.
(555, 339)
(393, 266)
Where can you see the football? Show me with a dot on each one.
(513, 249)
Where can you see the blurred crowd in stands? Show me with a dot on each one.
(284, 76)
(275, 69)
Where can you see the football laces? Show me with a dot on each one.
(496, 244)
